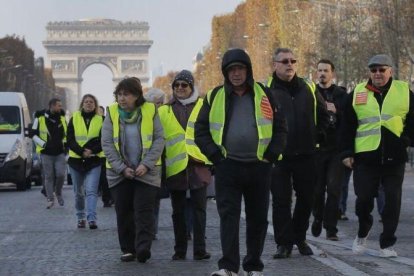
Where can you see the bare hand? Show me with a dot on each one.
(128, 173)
(86, 153)
(141, 170)
(331, 107)
(348, 162)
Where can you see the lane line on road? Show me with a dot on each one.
(347, 243)
(328, 260)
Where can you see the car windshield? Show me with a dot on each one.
(9, 120)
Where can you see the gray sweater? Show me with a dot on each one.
(119, 161)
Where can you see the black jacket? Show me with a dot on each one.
(297, 103)
(392, 149)
(84, 164)
(336, 95)
(203, 137)
(54, 144)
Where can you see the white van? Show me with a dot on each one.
(15, 144)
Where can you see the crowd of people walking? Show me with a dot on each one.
(263, 144)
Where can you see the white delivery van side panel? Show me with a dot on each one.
(15, 146)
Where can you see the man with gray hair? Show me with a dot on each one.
(378, 127)
(307, 120)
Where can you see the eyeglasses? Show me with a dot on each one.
(375, 70)
(182, 84)
(286, 61)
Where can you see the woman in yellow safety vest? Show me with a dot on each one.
(85, 158)
(187, 170)
(132, 140)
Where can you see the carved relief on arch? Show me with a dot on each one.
(84, 62)
(63, 66)
(133, 66)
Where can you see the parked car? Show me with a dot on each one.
(15, 144)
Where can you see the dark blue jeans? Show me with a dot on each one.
(251, 181)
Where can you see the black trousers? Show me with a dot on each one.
(134, 206)
(198, 207)
(330, 173)
(251, 181)
(366, 182)
(103, 186)
(299, 173)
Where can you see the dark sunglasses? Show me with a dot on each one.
(286, 61)
(182, 84)
(381, 70)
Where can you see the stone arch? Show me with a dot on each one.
(73, 46)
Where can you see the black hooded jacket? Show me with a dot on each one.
(203, 137)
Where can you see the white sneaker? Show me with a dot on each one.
(388, 252)
(49, 204)
(224, 272)
(253, 273)
(359, 245)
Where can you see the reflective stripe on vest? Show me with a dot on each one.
(217, 119)
(44, 132)
(147, 127)
(82, 134)
(392, 115)
(179, 142)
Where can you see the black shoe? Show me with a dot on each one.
(143, 256)
(304, 248)
(92, 225)
(283, 252)
(203, 255)
(330, 235)
(43, 192)
(178, 257)
(127, 257)
(316, 228)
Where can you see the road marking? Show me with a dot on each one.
(11, 237)
(347, 243)
(328, 260)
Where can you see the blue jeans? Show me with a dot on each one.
(86, 183)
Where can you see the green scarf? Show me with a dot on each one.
(128, 117)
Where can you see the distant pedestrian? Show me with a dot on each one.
(187, 169)
(103, 182)
(132, 139)
(49, 134)
(241, 129)
(378, 128)
(85, 158)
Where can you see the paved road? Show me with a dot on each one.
(37, 241)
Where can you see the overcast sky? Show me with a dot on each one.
(179, 28)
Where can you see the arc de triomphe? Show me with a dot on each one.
(73, 46)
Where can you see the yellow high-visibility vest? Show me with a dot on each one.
(179, 143)
(82, 134)
(217, 119)
(147, 127)
(371, 118)
(44, 132)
